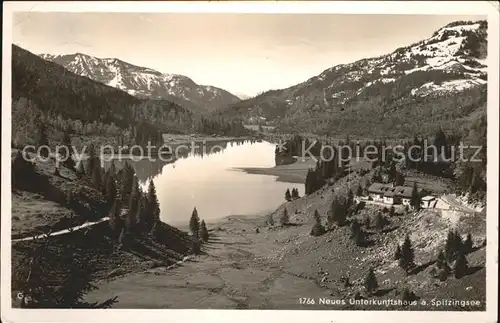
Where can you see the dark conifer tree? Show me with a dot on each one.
(133, 205)
(379, 221)
(415, 197)
(115, 221)
(338, 211)
(397, 253)
(68, 159)
(468, 244)
(288, 196)
(355, 227)
(22, 172)
(194, 224)
(461, 265)
(407, 260)
(359, 191)
(96, 177)
(110, 188)
(399, 179)
(127, 181)
(43, 140)
(453, 245)
(350, 198)
(153, 206)
(359, 238)
(203, 231)
(370, 283)
(317, 229)
(55, 278)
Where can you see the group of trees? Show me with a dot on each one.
(198, 230)
(454, 253)
(56, 276)
(133, 213)
(405, 255)
(438, 154)
(283, 220)
(371, 286)
(292, 196)
(219, 126)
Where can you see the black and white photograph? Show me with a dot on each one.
(315, 160)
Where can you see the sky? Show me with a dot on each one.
(243, 53)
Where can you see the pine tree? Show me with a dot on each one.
(288, 197)
(468, 244)
(415, 197)
(407, 295)
(56, 277)
(153, 206)
(397, 253)
(338, 212)
(115, 221)
(399, 179)
(317, 228)
(43, 140)
(355, 227)
(379, 221)
(407, 260)
(453, 245)
(194, 224)
(96, 177)
(110, 188)
(461, 265)
(392, 211)
(133, 205)
(350, 197)
(359, 191)
(68, 159)
(127, 181)
(203, 231)
(370, 282)
(196, 246)
(359, 238)
(284, 218)
(441, 260)
(23, 172)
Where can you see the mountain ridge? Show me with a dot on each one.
(145, 82)
(449, 65)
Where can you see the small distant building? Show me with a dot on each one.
(390, 194)
(428, 202)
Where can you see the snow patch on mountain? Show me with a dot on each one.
(145, 82)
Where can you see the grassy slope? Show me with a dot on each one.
(273, 268)
(34, 213)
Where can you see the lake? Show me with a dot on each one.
(211, 182)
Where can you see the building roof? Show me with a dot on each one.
(378, 188)
(428, 198)
(390, 191)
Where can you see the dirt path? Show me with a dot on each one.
(65, 231)
(239, 269)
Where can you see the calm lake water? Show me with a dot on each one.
(212, 184)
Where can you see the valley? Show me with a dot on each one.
(249, 220)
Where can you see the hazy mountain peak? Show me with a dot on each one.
(145, 82)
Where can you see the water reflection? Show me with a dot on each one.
(207, 178)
